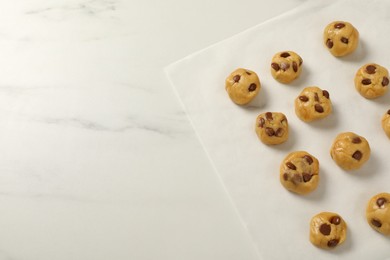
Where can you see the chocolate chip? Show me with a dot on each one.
(269, 131)
(252, 87)
(306, 177)
(291, 166)
(319, 108)
(300, 61)
(325, 229)
(333, 242)
(376, 223)
(356, 140)
(303, 98)
(316, 98)
(285, 176)
(262, 122)
(366, 81)
(388, 112)
(308, 159)
(296, 178)
(295, 66)
(325, 94)
(344, 40)
(268, 115)
(236, 78)
(385, 81)
(380, 202)
(336, 220)
(285, 55)
(357, 155)
(275, 66)
(370, 69)
(279, 132)
(339, 25)
(284, 66)
(247, 72)
(329, 43)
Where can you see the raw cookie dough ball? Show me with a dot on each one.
(272, 128)
(341, 38)
(378, 213)
(313, 103)
(350, 151)
(242, 85)
(386, 123)
(327, 230)
(372, 80)
(299, 172)
(286, 66)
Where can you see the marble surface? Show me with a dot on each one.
(98, 159)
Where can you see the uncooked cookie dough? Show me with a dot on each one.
(299, 172)
(272, 128)
(378, 213)
(327, 230)
(350, 151)
(242, 85)
(372, 80)
(341, 38)
(286, 66)
(386, 123)
(313, 103)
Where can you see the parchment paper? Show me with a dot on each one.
(278, 220)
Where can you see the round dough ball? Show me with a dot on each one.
(372, 80)
(299, 172)
(350, 151)
(286, 66)
(272, 128)
(341, 38)
(386, 123)
(313, 103)
(242, 85)
(378, 213)
(327, 230)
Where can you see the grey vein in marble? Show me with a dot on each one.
(54, 196)
(169, 129)
(17, 89)
(89, 7)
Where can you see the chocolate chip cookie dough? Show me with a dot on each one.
(272, 128)
(341, 38)
(313, 103)
(372, 80)
(386, 123)
(350, 151)
(327, 230)
(242, 85)
(286, 66)
(378, 213)
(299, 172)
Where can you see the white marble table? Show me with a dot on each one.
(98, 160)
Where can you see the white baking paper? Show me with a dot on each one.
(278, 220)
